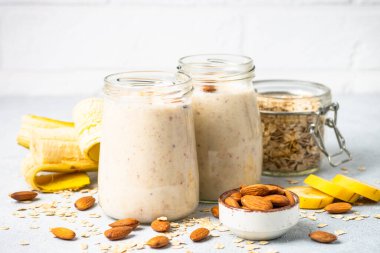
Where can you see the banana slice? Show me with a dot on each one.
(331, 189)
(358, 187)
(87, 115)
(30, 123)
(311, 198)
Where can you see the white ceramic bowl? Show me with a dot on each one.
(258, 225)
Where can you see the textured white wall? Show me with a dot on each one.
(68, 46)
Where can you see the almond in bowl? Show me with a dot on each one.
(264, 212)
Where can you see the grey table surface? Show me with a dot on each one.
(359, 120)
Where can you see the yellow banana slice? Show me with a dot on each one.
(368, 191)
(331, 189)
(31, 123)
(311, 198)
(87, 116)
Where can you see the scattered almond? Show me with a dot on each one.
(338, 208)
(209, 88)
(199, 234)
(255, 190)
(84, 203)
(256, 203)
(160, 225)
(278, 200)
(63, 233)
(130, 222)
(231, 202)
(322, 236)
(215, 211)
(23, 195)
(117, 233)
(158, 242)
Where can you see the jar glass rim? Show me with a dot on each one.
(140, 80)
(288, 89)
(213, 68)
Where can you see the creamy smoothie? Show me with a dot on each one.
(148, 165)
(228, 136)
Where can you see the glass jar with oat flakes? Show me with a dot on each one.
(294, 115)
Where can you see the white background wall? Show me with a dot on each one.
(64, 47)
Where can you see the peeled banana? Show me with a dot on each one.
(368, 191)
(311, 198)
(331, 189)
(31, 123)
(87, 116)
(62, 152)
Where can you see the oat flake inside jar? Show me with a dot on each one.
(227, 122)
(293, 115)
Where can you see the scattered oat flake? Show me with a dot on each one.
(272, 251)
(163, 218)
(219, 245)
(213, 234)
(24, 243)
(311, 217)
(249, 242)
(4, 228)
(377, 216)
(320, 211)
(339, 232)
(237, 240)
(322, 225)
(292, 181)
(84, 246)
(34, 226)
(252, 247)
(361, 168)
(206, 210)
(344, 169)
(263, 242)
(94, 215)
(337, 216)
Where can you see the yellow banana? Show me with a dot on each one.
(368, 191)
(331, 189)
(30, 123)
(87, 116)
(311, 198)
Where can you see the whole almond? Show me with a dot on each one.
(23, 195)
(278, 200)
(63, 233)
(215, 211)
(158, 242)
(256, 203)
(117, 233)
(199, 234)
(323, 237)
(236, 196)
(209, 88)
(274, 189)
(255, 190)
(231, 202)
(130, 222)
(290, 197)
(160, 225)
(339, 207)
(84, 203)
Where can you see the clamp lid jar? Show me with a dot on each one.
(293, 115)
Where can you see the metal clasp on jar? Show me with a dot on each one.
(315, 130)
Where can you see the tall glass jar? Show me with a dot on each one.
(293, 115)
(148, 165)
(227, 122)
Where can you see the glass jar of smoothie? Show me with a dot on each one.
(227, 122)
(148, 164)
(293, 115)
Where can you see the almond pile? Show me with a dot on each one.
(260, 197)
